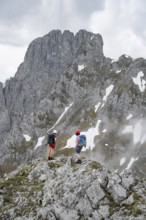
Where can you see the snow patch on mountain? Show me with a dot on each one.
(118, 71)
(40, 139)
(129, 116)
(90, 134)
(80, 67)
(122, 161)
(108, 91)
(132, 160)
(27, 137)
(97, 106)
(138, 130)
(65, 110)
(139, 81)
(92, 37)
(128, 129)
(39, 143)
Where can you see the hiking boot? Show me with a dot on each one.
(79, 161)
(49, 158)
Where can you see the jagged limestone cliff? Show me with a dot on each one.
(61, 70)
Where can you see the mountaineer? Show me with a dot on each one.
(80, 143)
(51, 144)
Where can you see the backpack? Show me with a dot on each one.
(51, 139)
(82, 140)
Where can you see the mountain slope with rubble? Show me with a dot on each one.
(62, 189)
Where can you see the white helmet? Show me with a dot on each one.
(54, 132)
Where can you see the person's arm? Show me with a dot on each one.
(55, 141)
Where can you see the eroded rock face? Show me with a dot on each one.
(62, 70)
(30, 100)
(65, 190)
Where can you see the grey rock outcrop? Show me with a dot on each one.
(57, 190)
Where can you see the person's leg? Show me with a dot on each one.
(78, 151)
(50, 152)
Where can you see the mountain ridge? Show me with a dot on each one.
(62, 189)
(63, 68)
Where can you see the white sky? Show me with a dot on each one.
(120, 22)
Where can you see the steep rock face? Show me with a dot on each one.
(63, 190)
(46, 60)
(67, 73)
(4, 116)
(30, 97)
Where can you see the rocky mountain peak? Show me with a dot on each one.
(66, 82)
(57, 49)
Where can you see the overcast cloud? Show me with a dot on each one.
(120, 22)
